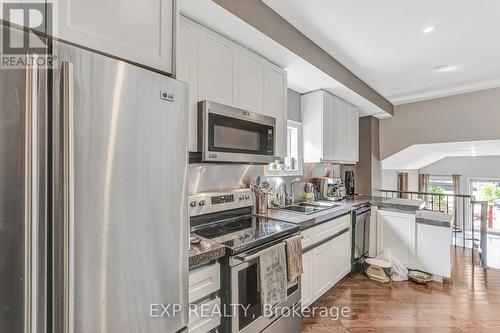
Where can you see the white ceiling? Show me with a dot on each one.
(302, 76)
(419, 156)
(383, 44)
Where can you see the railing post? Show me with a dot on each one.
(464, 222)
(484, 234)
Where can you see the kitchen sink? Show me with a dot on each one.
(325, 204)
(309, 208)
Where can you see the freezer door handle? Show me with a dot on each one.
(31, 199)
(68, 193)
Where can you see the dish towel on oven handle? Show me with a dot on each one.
(293, 257)
(273, 275)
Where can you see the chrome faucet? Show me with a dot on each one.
(282, 195)
(296, 180)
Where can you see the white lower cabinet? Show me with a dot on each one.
(199, 322)
(396, 231)
(203, 282)
(327, 263)
(416, 245)
(433, 249)
(306, 282)
(323, 272)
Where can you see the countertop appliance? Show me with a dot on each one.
(94, 224)
(226, 218)
(349, 183)
(360, 235)
(330, 188)
(229, 134)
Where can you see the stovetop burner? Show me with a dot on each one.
(209, 232)
(245, 232)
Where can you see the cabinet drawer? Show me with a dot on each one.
(201, 321)
(327, 229)
(307, 237)
(203, 281)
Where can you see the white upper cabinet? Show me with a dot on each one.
(251, 76)
(275, 104)
(330, 129)
(221, 71)
(137, 31)
(187, 71)
(217, 74)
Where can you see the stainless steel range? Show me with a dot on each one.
(226, 218)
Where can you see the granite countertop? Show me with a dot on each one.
(205, 251)
(346, 206)
(437, 219)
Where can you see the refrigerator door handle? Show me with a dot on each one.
(68, 192)
(31, 199)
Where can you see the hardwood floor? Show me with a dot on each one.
(469, 302)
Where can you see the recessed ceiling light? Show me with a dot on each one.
(445, 68)
(428, 29)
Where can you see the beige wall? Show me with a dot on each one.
(466, 117)
(368, 169)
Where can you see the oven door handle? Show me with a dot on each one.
(247, 258)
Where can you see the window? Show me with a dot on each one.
(441, 185)
(291, 165)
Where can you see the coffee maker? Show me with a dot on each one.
(349, 182)
(330, 188)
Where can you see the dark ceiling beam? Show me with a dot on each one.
(263, 18)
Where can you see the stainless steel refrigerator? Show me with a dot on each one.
(93, 213)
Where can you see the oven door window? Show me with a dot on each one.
(249, 295)
(234, 135)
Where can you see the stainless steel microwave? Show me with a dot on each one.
(229, 134)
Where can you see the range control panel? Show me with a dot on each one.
(212, 202)
(220, 199)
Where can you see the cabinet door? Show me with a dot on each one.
(355, 128)
(352, 125)
(323, 269)
(306, 279)
(251, 76)
(187, 71)
(337, 130)
(396, 231)
(341, 259)
(275, 104)
(433, 250)
(216, 68)
(328, 123)
(311, 106)
(345, 130)
(138, 31)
